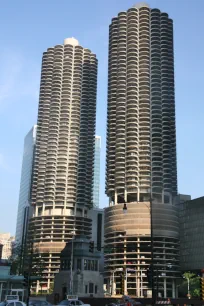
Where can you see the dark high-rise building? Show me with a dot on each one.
(141, 151)
(64, 158)
(191, 219)
(96, 184)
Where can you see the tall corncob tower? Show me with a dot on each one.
(64, 157)
(141, 151)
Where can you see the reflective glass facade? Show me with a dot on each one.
(25, 185)
(96, 183)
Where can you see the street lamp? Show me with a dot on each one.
(141, 281)
(71, 266)
(126, 276)
(188, 281)
(113, 280)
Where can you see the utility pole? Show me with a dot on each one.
(152, 250)
(141, 282)
(71, 263)
(27, 275)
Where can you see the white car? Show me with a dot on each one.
(12, 303)
(72, 303)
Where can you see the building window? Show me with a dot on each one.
(86, 288)
(65, 264)
(99, 231)
(78, 264)
(39, 211)
(91, 287)
(85, 264)
(92, 265)
(96, 265)
(96, 289)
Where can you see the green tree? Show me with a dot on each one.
(51, 288)
(25, 260)
(15, 260)
(194, 284)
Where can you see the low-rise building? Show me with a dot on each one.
(1, 250)
(8, 243)
(79, 270)
(97, 232)
(10, 284)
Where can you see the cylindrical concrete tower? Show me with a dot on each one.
(64, 160)
(141, 137)
(141, 150)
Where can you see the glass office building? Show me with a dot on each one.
(96, 183)
(25, 185)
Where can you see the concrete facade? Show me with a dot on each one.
(10, 282)
(62, 183)
(128, 244)
(141, 131)
(141, 154)
(8, 243)
(85, 279)
(97, 232)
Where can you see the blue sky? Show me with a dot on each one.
(29, 27)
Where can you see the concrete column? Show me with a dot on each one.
(37, 286)
(7, 287)
(165, 288)
(48, 284)
(177, 291)
(162, 197)
(1, 288)
(138, 195)
(125, 195)
(141, 282)
(138, 267)
(36, 211)
(138, 284)
(116, 198)
(173, 289)
(125, 284)
(43, 209)
(114, 288)
(110, 201)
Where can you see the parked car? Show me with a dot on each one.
(12, 303)
(39, 303)
(72, 303)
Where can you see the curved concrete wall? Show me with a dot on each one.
(135, 222)
(128, 241)
(137, 219)
(165, 220)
